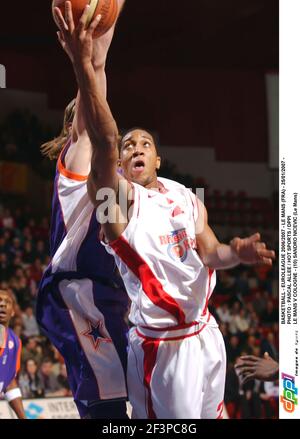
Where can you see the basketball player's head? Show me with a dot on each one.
(139, 157)
(53, 148)
(7, 307)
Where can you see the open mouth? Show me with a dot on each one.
(2, 314)
(139, 166)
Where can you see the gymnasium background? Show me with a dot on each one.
(202, 74)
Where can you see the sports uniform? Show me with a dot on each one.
(10, 359)
(177, 360)
(82, 301)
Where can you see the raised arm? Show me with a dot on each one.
(78, 157)
(100, 124)
(219, 256)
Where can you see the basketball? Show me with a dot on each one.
(108, 9)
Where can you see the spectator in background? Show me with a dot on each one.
(62, 379)
(41, 250)
(36, 270)
(30, 381)
(7, 221)
(270, 315)
(29, 322)
(32, 350)
(49, 379)
(28, 253)
(4, 267)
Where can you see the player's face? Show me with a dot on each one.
(6, 308)
(139, 158)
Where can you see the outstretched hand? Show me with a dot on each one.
(77, 41)
(252, 251)
(250, 367)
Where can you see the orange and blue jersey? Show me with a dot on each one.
(82, 301)
(10, 359)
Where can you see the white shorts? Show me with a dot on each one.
(177, 374)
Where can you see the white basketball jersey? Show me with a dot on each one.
(165, 278)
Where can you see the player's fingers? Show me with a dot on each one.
(69, 16)
(247, 378)
(93, 25)
(83, 19)
(264, 253)
(255, 237)
(261, 245)
(61, 39)
(266, 355)
(60, 20)
(265, 261)
(250, 358)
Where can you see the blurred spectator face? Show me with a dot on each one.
(18, 329)
(17, 260)
(40, 246)
(31, 223)
(27, 233)
(3, 258)
(234, 341)
(23, 282)
(63, 370)
(2, 241)
(31, 367)
(270, 306)
(37, 264)
(236, 308)
(19, 273)
(16, 243)
(29, 311)
(256, 351)
(270, 337)
(46, 368)
(31, 344)
(7, 235)
(28, 246)
(251, 340)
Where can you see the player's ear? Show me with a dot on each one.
(158, 163)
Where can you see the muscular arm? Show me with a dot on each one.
(78, 157)
(221, 256)
(16, 404)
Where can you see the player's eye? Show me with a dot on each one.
(147, 144)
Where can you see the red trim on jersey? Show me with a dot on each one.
(180, 337)
(220, 408)
(18, 363)
(151, 285)
(210, 273)
(171, 328)
(150, 349)
(62, 168)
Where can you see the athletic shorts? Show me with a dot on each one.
(176, 374)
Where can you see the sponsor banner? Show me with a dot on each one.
(47, 408)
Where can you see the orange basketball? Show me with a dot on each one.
(108, 9)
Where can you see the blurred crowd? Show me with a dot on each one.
(245, 304)
(245, 301)
(24, 254)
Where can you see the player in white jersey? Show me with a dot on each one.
(167, 255)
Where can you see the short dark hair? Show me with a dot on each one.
(124, 133)
(10, 294)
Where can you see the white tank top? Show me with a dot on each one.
(165, 278)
